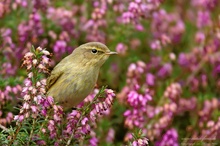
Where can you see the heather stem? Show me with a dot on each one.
(46, 119)
(15, 134)
(32, 130)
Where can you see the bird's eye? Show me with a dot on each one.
(94, 51)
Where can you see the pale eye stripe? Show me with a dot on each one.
(98, 49)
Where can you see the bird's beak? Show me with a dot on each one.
(111, 53)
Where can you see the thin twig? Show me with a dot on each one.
(4, 128)
(32, 131)
(15, 135)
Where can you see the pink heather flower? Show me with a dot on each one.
(138, 1)
(169, 138)
(89, 24)
(172, 56)
(43, 130)
(27, 97)
(44, 112)
(173, 91)
(128, 137)
(38, 84)
(45, 60)
(140, 142)
(58, 113)
(166, 28)
(150, 79)
(46, 102)
(183, 60)
(8, 88)
(34, 109)
(16, 117)
(72, 119)
(134, 118)
(19, 118)
(8, 69)
(101, 107)
(43, 82)
(34, 62)
(93, 141)
(134, 7)
(139, 27)
(92, 115)
(136, 69)
(98, 13)
(155, 45)
(165, 70)
(56, 117)
(110, 93)
(85, 129)
(84, 121)
(60, 46)
(203, 19)
(132, 67)
(9, 117)
(30, 75)
(137, 100)
(127, 17)
(34, 91)
(206, 4)
(110, 136)
(28, 55)
(42, 90)
(41, 67)
(45, 52)
(200, 37)
(27, 82)
(50, 100)
(121, 48)
(52, 128)
(26, 105)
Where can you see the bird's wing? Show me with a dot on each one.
(55, 75)
(58, 71)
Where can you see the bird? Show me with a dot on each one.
(75, 76)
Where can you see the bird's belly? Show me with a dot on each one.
(71, 93)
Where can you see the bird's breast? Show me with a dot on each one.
(75, 86)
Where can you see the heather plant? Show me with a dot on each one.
(161, 89)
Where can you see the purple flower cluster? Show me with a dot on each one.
(8, 96)
(136, 96)
(80, 123)
(169, 138)
(137, 10)
(140, 142)
(166, 28)
(95, 25)
(33, 91)
(136, 139)
(31, 29)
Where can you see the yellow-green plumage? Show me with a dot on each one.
(75, 76)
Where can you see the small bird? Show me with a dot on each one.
(75, 76)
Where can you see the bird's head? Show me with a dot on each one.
(92, 54)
